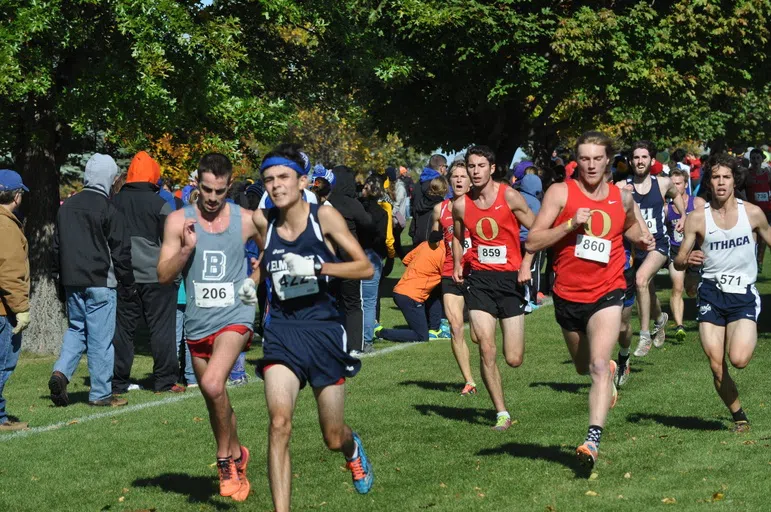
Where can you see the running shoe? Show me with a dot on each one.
(622, 374)
(469, 389)
(539, 298)
(614, 395)
(643, 346)
(239, 381)
(680, 333)
(243, 491)
(135, 387)
(377, 329)
(587, 454)
(229, 482)
(659, 331)
(741, 427)
(503, 424)
(361, 469)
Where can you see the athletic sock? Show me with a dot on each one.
(594, 434)
(505, 414)
(660, 320)
(645, 334)
(623, 358)
(740, 415)
(240, 456)
(355, 452)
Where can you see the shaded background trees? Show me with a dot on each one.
(369, 82)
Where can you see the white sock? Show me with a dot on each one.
(623, 351)
(504, 414)
(355, 452)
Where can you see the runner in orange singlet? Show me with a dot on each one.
(585, 220)
(492, 212)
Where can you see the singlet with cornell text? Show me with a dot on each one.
(729, 254)
(299, 298)
(591, 266)
(214, 272)
(494, 234)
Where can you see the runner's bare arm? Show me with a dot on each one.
(435, 217)
(686, 255)
(260, 223)
(635, 229)
(174, 256)
(759, 222)
(458, 242)
(671, 192)
(519, 207)
(543, 234)
(334, 227)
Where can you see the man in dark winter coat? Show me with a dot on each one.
(145, 213)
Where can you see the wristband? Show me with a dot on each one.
(570, 224)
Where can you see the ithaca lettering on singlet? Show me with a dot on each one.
(589, 262)
(494, 234)
(676, 238)
(215, 270)
(759, 190)
(446, 222)
(298, 297)
(652, 208)
(729, 254)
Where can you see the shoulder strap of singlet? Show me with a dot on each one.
(235, 219)
(709, 222)
(189, 210)
(313, 220)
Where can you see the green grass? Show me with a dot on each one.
(431, 448)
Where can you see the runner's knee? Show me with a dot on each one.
(334, 437)
(281, 425)
(211, 387)
(514, 360)
(599, 367)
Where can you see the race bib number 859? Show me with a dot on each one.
(592, 248)
(495, 255)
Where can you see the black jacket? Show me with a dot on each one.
(343, 199)
(91, 245)
(422, 212)
(374, 237)
(145, 214)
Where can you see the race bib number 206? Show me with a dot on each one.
(214, 295)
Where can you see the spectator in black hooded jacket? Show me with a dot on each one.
(423, 203)
(343, 199)
(145, 213)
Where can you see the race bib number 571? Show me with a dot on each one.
(592, 248)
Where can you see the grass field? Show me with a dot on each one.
(666, 443)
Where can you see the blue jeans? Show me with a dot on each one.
(10, 348)
(420, 317)
(369, 291)
(91, 317)
(181, 345)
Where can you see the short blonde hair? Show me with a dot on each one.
(438, 187)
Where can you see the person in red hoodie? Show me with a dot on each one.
(145, 214)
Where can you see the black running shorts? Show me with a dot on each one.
(497, 293)
(574, 316)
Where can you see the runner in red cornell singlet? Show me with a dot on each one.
(452, 292)
(492, 212)
(585, 220)
(759, 193)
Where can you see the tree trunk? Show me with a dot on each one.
(38, 160)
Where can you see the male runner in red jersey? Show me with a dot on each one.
(759, 193)
(452, 292)
(492, 213)
(585, 220)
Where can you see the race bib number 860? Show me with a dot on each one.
(592, 248)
